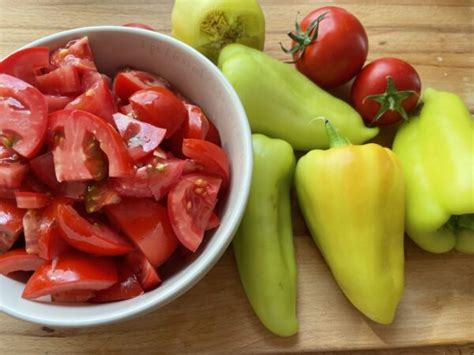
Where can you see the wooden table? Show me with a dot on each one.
(438, 304)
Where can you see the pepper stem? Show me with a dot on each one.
(335, 138)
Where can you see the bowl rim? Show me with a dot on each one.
(199, 267)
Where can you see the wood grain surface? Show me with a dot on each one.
(437, 308)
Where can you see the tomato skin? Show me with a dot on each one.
(60, 81)
(69, 160)
(211, 156)
(97, 100)
(146, 273)
(97, 238)
(31, 200)
(160, 107)
(11, 224)
(146, 223)
(127, 287)
(91, 78)
(139, 25)
(73, 296)
(57, 102)
(339, 51)
(77, 53)
(190, 206)
(127, 82)
(372, 80)
(71, 271)
(19, 260)
(195, 126)
(24, 64)
(20, 103)
(214, 222)
(213, 134)
(141, 138)
(12, 174)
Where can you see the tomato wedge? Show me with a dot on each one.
(24, 114)
(146, 273)
(214, 222)
(190, 206)
(213, 135)
(160, 107)
(75, 131)
(99, 195)
(60, 81)
(127, 287)
(153, 180)
(97, 100)
(96, 238)
(77, 53)
(141, 138)
(19, 260)
(12, 174)
(29, 200)
(90, 78)
(26, 63)
(11, 224)
(146, 223)
(57, 102)
(210, 155)
(31, 222)
(71, 271)
(195, 126)
(127, 82)
(73, 296)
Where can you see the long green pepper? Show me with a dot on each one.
(263, 245)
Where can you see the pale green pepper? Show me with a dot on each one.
(263, 245)
(280, 102)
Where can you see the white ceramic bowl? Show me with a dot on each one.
(200, 81)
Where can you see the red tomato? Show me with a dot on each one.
(72, 160)
(97, 100)
(31, 222)
(385, 91)
(330, 46)
(96, 238)
(71, 271)
(190, 206)
(153, 180)
(73, 296)
(127, 110)
(11, 224)
(30, 200)
(91, 78)
(141, 138)
(160, 107)
(57, 102)
(127, 82)
(77, 53)
(146, 223)
(139, 25)
(100, 195)
(19, 260)
(127, 287)
(20, 103)
(210, 155)
(60, 81)
(195, 126)
(213, 134)
(214, 222)
(12, 174)
(146, 273)
(26, 63)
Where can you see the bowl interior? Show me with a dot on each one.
(200, 81)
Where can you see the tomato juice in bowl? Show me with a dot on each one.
(200, 82)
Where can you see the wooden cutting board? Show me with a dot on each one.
(437, 307)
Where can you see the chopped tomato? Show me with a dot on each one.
(160, 107)
(99, 195)
(210, 155)
(126, 287)
(213, 222)
(213, 135)
(97, 100)
(127, 82)
(190, 206)
(153, 180)
(195, 126)
(77, 53)
(24, 114)
(60, 81)
(141, 138)
(19, 260)
(71, 271)
(31, 222)
(90, 78)
(11, 224)
(29, 200)
(146, 273)
(57, 102)
(12, 174)
(73, 296)
(93, 238)
(26, 63)
(78, 136)
(127, 110)
(146, 223)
